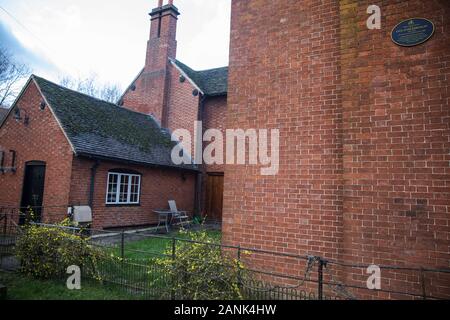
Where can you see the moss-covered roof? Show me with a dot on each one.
(213, 82)
(101, 129)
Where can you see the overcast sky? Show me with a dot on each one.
(108, 37)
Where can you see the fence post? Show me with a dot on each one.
(322, 263)
(5, 226)
(122, 245)
(174, 256)
(239, 266)
(422, 279)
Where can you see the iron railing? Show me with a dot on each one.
(270, 275)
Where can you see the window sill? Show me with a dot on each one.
(108, 205)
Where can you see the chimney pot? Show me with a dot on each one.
(161, 3)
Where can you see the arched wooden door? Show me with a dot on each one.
(33, 190)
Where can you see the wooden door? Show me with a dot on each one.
(33, 191)
(214, 197)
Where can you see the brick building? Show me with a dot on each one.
(364, 148)
(365, 135)
(177, 96)
(61, 148)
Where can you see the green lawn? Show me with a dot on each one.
(21, 287)
(155, 247)
(144, 275)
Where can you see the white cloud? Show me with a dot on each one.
(109, 37)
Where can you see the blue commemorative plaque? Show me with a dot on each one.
(412, 32)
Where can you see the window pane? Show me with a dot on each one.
(123, 193)
(134, 197)
(112, 188)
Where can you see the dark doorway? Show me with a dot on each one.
(33, 192)
(214, 196)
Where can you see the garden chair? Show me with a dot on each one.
(181, 216)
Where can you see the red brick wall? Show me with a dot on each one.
(286, 77)
(158, 186)
(396, 138)
(147, 89)
(364, 151)
(214, 117)
(183, 106)
(41, 140)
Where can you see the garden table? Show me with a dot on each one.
(164, 217)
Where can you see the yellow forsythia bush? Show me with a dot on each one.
(201, 271)
(46, 252)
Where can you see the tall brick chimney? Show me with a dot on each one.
(162, 44)
(148, 94)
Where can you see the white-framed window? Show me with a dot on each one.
(123, 188)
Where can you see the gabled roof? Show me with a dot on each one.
(100, 129)
(212, 82)
(3, 113)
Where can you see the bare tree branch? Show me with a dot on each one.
(111, 93)
(90, 86)
(11, 74)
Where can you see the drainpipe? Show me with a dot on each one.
(92, 188)
(199, 176)
(198, 194)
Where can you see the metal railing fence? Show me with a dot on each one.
(130, 263)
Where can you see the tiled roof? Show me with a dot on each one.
(213, 82)
(101, 129)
